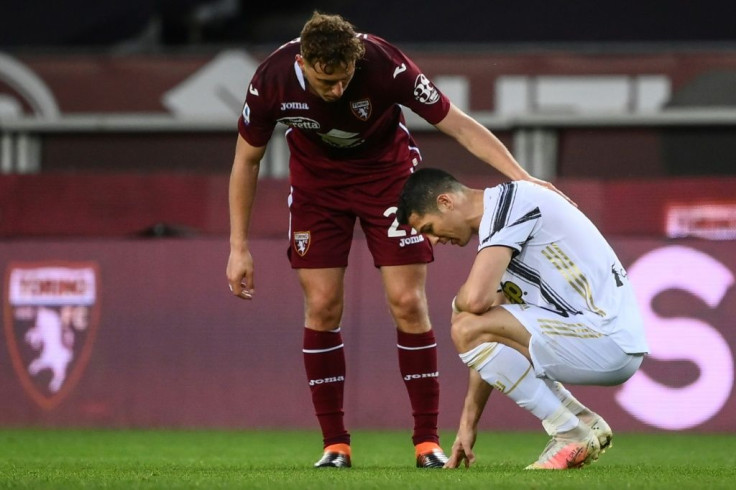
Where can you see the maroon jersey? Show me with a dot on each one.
(359, 138)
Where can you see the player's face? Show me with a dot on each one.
(443, 226)
(327, 82)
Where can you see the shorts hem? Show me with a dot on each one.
(404, 262)
(319, 266)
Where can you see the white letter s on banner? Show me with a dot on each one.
(678, 267)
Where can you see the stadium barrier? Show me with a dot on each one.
(31, 144)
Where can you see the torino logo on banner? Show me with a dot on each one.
(680, 339)
(51, 319)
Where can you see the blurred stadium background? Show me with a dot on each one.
(117, 126)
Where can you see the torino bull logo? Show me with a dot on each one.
(51, 318)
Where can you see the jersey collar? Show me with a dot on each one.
(300, 75)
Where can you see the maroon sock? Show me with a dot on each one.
(418, 365)
(324, 361)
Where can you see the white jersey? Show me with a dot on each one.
(561, 262)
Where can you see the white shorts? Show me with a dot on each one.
(570, 351)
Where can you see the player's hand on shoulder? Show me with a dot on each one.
(551, 187)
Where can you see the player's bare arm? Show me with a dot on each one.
(500, 299)
(482, 143)
(479, 141)
(242, 191)
(477, 317)
(475, 403)
(479, 292)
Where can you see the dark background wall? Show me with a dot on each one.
(177, 22)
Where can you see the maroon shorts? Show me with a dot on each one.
(322, 223)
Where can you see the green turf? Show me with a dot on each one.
(38, 459)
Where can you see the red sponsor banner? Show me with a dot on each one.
(175, 349)
(198, 204)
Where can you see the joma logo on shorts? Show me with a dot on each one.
(409, 377)
(411, 240)
(333, 379)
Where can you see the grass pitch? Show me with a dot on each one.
(40, 459)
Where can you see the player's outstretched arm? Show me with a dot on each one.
(242, 191)
(475, 401)
(482, 143)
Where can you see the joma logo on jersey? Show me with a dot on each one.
(361, 109)
(411, 240)
(332, 379)
(410, 377)
(287, 106)
(300, 122)
(51, 317)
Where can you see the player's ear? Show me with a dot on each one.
(444, 202)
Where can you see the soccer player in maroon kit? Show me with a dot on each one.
(339, 92)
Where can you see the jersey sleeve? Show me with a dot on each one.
(412, 88)
(256, 123)
(513, 220)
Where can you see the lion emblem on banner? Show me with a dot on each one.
(51, 313)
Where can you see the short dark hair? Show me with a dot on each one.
(421, 190)
(330, 41)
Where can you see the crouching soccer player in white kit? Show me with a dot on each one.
(546, 301)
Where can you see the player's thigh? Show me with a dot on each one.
(320, 230)
(496, 325)
(570, 350)
(404, 280)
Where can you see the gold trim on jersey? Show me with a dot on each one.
(556, 327)
(574, 276)
(482, 355)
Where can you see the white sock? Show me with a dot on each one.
(564, 395)
(562, 420)
(512, 374)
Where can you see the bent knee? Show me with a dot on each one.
(466, 332)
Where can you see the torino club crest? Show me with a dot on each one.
(51, 318)
(302, 240)
(361, 109)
